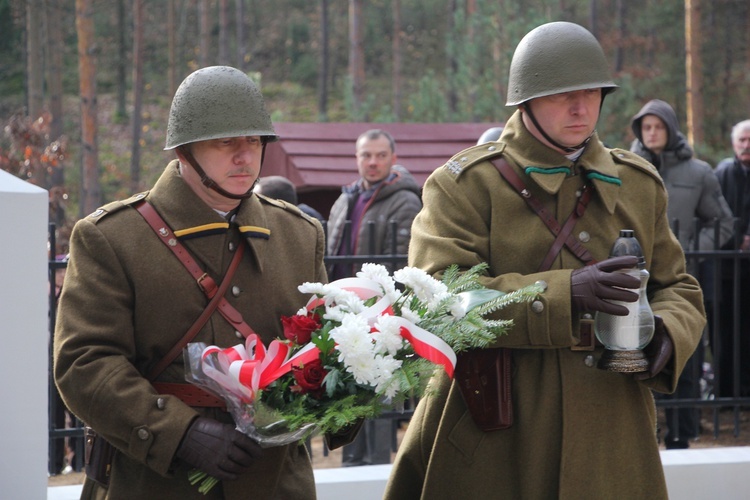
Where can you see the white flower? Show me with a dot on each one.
(316, 288)
(387, 335)
(363, 367)
(410, 315)
(353, 339)
(457, 309)
(434, 302)
(379, 274)
(385, 367)
(424, 286)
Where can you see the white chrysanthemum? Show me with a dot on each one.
(434, 302)
(424, 286)
(410, 315)
(379, 274)
(345, 299)
(457, 309)
(387, 335)
(353, 338)
(316, 288)
(385, 367)
(363, 367)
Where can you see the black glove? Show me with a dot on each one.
(591, 287)
(217, 449)
(658, 351)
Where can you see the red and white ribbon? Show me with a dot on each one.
(243, 370)
(424, 343)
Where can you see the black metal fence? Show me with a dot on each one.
(715, 269)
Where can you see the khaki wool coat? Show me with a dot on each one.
(579, 432)
(127, 300)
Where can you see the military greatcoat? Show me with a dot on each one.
(127, 300)
(578, 431)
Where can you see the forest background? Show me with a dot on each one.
(85, 85)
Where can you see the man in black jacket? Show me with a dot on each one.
(733, 177)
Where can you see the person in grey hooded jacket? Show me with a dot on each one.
(694, 192)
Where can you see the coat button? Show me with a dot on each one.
(541, 283)
(143, 434)
(238, 334)
(537, 306)
(588, 361)
(236, 291)
(584, 236)
(231, 246)
(161, 403)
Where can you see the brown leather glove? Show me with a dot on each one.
(217, 449)
(658, 351)
(592, 287)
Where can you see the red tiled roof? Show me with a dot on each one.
(321, 155)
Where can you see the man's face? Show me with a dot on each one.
(654, 133)
(741, 145)
(568, 118)
(232, 162)
(374, 159)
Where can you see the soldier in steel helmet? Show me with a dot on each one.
(129, 300)
(544, 204)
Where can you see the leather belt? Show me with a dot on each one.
(190, 394)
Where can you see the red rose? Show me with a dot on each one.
(299, 329)
(309, 378)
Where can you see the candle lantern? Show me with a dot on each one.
(624, 337)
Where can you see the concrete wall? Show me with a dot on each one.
(695, 474)
(23, 338)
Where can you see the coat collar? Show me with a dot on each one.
(549, 168)
(192, 220)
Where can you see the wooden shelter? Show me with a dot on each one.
(319, 157)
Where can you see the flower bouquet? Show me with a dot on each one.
(360, 346)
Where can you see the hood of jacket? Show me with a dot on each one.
(676, 142)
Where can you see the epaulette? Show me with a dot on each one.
(473, 156)
(114, 206)
(631, 159)
(289, 207)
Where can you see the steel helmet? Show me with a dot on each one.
(554, 58)
(492, 134)
(217, 102)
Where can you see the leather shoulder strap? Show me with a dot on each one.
(562, 234)
(205, 282)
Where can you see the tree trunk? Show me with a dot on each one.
(224, 32)
(240, 35)
(205, 31)
(397, 60)
(172, 47)
(694, 72)
(593, 19)
(622, 28)
(35, 57)
(122, 50)
(323, 73)
(135, 151)
(452, 68)
(90, 197)
(356, 56)
(55, 41)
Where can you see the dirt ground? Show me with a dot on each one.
(726, 437)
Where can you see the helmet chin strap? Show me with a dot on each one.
(211, 184)
(567, 149)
